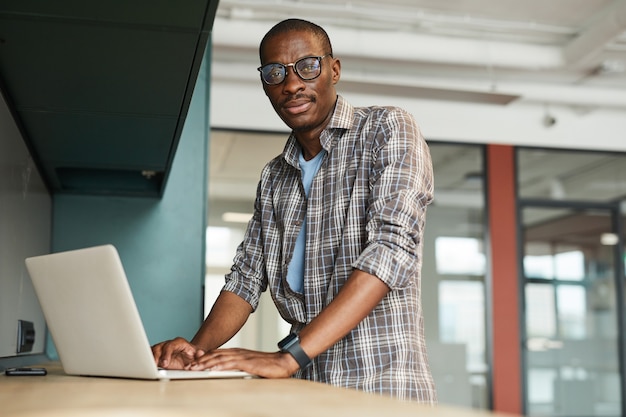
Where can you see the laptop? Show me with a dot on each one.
(93, 319)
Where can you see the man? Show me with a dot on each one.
(336, 235)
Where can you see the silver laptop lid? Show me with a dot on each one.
(91, 313)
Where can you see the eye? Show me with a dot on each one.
(274, 72)
(308, 66)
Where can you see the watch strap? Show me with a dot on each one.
(291, 345)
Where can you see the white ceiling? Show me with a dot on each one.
(555, 52)
(571, 51)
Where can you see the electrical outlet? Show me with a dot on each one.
(25, 336)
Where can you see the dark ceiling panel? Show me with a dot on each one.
(100, 87)
(189, 14)
(95, 68)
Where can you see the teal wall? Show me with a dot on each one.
(161, 241)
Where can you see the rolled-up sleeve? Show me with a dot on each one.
(401, 185)
(247, 277)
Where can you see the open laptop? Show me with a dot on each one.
(93, 319)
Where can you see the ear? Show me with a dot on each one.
(336, 70)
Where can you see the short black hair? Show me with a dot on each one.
(300, 25)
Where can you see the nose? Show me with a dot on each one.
(293, 83)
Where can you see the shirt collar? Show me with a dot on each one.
(342, 117)
(340, 121)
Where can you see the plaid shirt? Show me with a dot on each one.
(366, 210)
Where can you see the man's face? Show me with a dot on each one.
(305, 106)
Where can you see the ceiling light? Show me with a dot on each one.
(609, 239)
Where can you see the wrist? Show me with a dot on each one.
(290, 345)
(289, 363)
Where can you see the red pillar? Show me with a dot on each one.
(507, 392)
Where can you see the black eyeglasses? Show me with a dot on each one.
(307, 68)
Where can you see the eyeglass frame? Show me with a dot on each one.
(295, 70)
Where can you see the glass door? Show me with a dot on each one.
(570, 264)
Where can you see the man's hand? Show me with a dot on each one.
(175, 354)
(263, 364)
(228, 315)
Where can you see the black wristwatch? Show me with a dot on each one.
(291, 345)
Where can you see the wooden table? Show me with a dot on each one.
(57, 394)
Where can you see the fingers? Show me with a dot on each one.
(264, 364)
(217, 359)
(174, 354)
(157, 352)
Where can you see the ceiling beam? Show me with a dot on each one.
(583, 50)
(405, 46)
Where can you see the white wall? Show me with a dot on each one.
(242, 105)
(25, 213)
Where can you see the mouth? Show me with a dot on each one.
(295, 107)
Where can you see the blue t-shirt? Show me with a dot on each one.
(295, 271)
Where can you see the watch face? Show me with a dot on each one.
(291, 345)
(287, 341)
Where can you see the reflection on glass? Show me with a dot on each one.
(453, 277)
(461, 318)
(540, 313)
(541, 387)
(571, 175)
(459, 256)
(565, 265)
(572, 308)
(569, 265)
(538, 266)
(572, 366)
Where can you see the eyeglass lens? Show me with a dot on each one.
(307, 68)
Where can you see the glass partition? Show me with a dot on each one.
(567, 175)
(572, 360)
(453, 276)
(571, 266)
